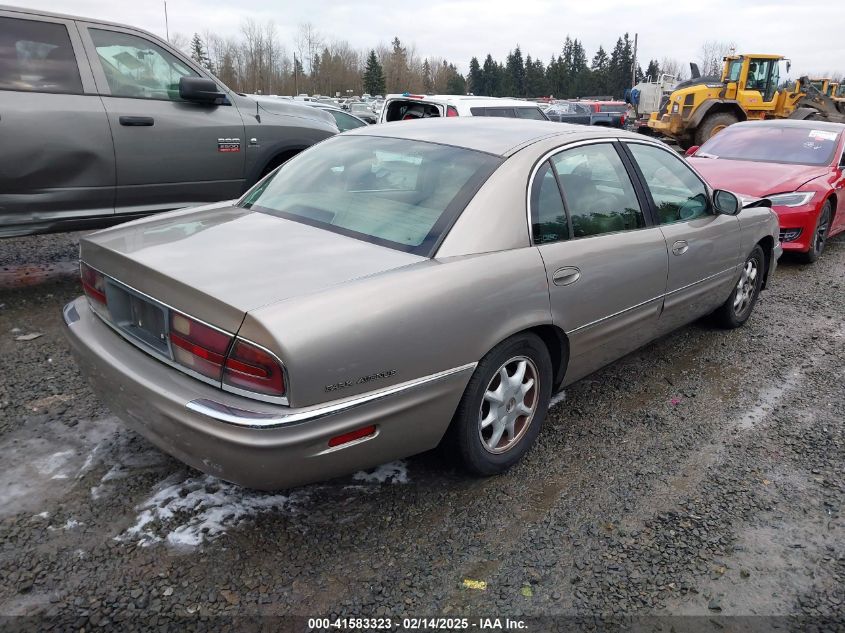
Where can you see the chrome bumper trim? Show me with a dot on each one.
(262, 420)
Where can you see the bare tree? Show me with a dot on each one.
(672, 66)
(711, 54)
(308, 44)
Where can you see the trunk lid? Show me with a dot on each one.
(218, 262)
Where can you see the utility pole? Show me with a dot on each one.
(295, 84)
(634, 68)
(166, 25)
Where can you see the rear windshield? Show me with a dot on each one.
(401, 110)
(772, 144)
(394, 192)
(612, 107)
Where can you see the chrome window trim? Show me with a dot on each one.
(558, 150)
(283, 400)
(669, 150)
(265, 420)
(616, 314)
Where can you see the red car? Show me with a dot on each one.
(798, 165)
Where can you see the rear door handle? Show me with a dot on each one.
(680, 247)
(566, 275)
(137, 121)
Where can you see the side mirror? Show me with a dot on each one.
(199, 89)
(692, 150)
(726, 202)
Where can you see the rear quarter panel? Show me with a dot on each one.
(405, 324)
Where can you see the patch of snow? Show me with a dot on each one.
(43, 515)
(559, 397)
(50, 464)
(69, 525)
(185, 513)
(393, 472)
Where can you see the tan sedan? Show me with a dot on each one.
(398, 286)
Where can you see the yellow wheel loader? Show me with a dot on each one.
(748, 89)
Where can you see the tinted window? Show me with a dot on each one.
(598, 192)
(397, 193)
(677, 192)
(136, 67)
(37, 56)
(548, 216)
(530, 113)
(612, 107)
(499, 112)
(773, 144)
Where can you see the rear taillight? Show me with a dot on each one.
(451, 111)
(197, 346)
(622, 120)
(255, 369)
(93, 283)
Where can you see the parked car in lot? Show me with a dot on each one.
(798, 165)
(607, 113)
(363, 111)
(406, 107)
(102, 122)
(570, 112)
(397, 285)
(344, 120)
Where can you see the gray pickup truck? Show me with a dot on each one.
(603, 113)
(100, 123)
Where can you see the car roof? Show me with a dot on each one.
(493, 135)
(501, 101)
(67, 16)
(811, 124)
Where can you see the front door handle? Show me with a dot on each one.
(137, 121)
(566, 275)
(680, 247)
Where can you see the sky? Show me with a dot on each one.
(809, 32)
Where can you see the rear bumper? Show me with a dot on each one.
(251, 443)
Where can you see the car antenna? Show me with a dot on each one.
(257, 115)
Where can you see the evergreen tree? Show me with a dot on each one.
(600, 69)
(456, 84)
(428, 80)
(198, 53)
(515, 74)
(373, 78)
(653, 70)
(490, 77)
(474, 78)
(535, 78)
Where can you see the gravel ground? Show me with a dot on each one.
(694, 485)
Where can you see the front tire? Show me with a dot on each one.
(737, 309)
(819, 239)
(504, 405)
(712, 125)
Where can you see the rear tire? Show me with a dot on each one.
(712, 125)
(503, 406)
(736, 310)
(819, 239)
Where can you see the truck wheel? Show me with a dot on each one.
(712, 125)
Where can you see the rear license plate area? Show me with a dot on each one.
(138, 317)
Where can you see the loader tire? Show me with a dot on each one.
(712, 125)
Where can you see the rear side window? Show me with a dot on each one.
(548, 217)
(345, 121)
(499, 112)
(530, 113)
(37, 57)
(135, 67)
(597, 190)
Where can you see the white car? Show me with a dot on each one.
(404, 107)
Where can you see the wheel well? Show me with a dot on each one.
(768, 246)
(558, 345)
(833, 205)
(722, 108)
(278, 159)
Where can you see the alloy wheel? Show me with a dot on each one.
(821, 231)
(746, 287)
(509, 404)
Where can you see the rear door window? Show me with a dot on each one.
(499, 112)
(597, 190)
(37, 57)
(530, 113)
